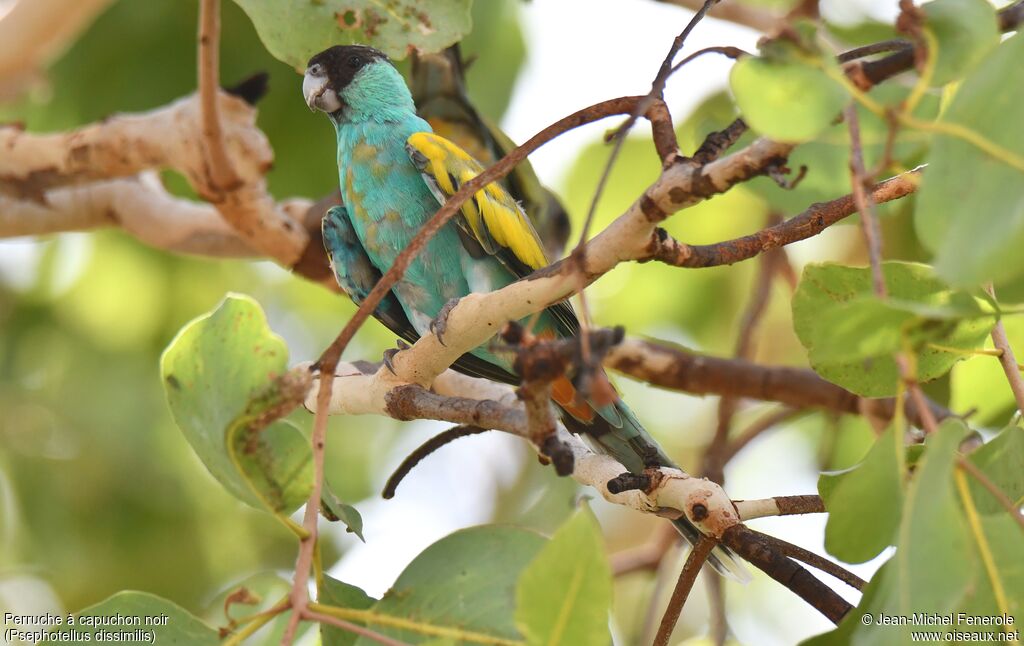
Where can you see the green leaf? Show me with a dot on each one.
(342, 595)
(138, 618)
(563, 597)
(1002, 460)
(1003, 538)
(933, 566)
(827, 156)
(295, 30)
(334, 510)
(851, 335)
(970, 208)
(786, 100)
(965, 31)
(864, 503)
(219, 374)
(464, 583)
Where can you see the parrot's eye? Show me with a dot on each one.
(316, 69)
(355, 62)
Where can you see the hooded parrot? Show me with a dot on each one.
(395, 172)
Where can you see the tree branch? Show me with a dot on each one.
(169, 137)
(694, 561)
(34, 33)
(141, 207)
(810, 223)
(779, 506)
(679, 369)
(765, 556)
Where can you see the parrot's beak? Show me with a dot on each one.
(317, 93)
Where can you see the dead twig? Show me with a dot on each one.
(422, 451)
(698, 555)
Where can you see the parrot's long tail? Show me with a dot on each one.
(616, 431)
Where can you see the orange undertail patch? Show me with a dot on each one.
(564, 393)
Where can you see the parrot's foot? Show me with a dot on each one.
(389, 354)
(440, 322)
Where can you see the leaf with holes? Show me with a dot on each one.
(851, 335)
(295, 30)
(224, 374)
(564, 595)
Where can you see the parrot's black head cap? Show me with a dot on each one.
(341, 63)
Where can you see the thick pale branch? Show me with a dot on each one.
(166, 138)
(141, 206)
(35, 32)
(356, 390)
(126, 144)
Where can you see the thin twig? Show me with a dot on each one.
(1000, 495)
(867, 74)
(1007, 360)
(863, 199)
(647, 556)
(756, 428)
(810, 223)
(222, 171)
(423, 450)
(762, 552)
(674, 368)
(719, 623)
(818, 562)
(725, 50)
(307, 546)
(694, 562)
(715, 454)
(352, 628)
(893, 45)
(779, 506)
(657, 92)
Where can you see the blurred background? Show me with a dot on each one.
(100, 492)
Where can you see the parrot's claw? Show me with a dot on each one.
(440, 323)
(389, 355)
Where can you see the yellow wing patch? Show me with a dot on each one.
(492, 217)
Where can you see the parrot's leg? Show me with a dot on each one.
(440, 322)
(389, 355)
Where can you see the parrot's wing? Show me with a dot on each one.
(357, 276)
(492, 221)
(438, 87)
